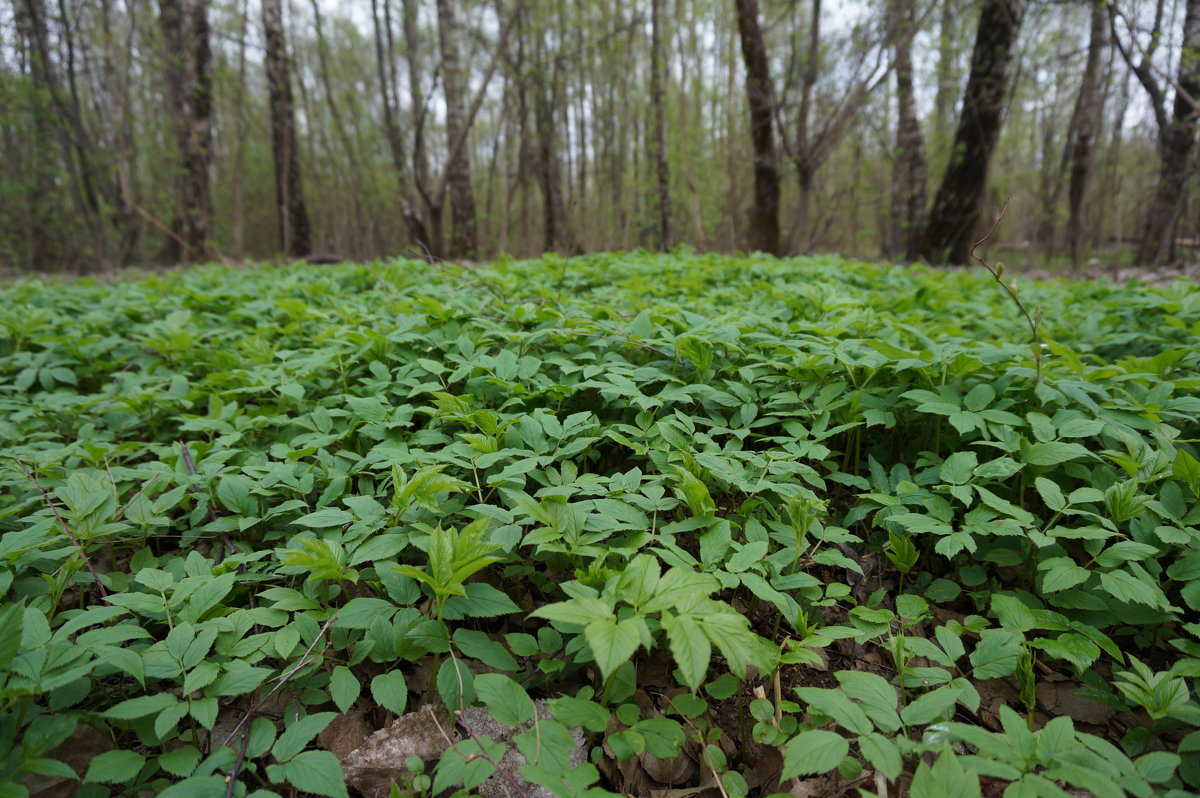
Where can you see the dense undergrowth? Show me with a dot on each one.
(753, 526)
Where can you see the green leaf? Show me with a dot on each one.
(613, 642)
(114, 767)
(1012, 614)
(298, 734)
(873, 693)
(1157, 767)
(933, 706)
(390, 691)
(882, 754)
(234, 492)
(196, 787)
(456, 684)
(581, 713)
(478, 645)
(359, 613)
(180, 762)
(813, 752)
(325, 518)
(239, 679)
(581, 611)
(958, 468)
(946, 778)
(689, 646)
(836, 704)
(1124, 586)
(344, 688)
(316, 772)
(142, 706)
(1050, 493)
(996, 653)
(1053, 453)
(505, 700)
(1186, 469)
(11, 627)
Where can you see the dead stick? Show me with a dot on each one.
(462, 721)
(212, 511)
(283, 679)
(63, 523)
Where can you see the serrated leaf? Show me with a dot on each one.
(813, 752)
(506, 701)
(114, 767)
(316, 772)
(613, 642)
(932, 706)
(344, 687)
(996, 653)
(325, 518)
(390, 691)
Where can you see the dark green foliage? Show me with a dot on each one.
(399, 484)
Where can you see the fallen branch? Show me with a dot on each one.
(63, 523)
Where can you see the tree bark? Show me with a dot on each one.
(294, 232)
(464, 240)
(417, 231)
(1081, 135)
(951, 231)
(1177, 141)
(658, 136)
(909, 171)
(764, 213)
(185, 30)
(556, 228)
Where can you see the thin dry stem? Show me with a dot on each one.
(63, 523)
(1033, 319)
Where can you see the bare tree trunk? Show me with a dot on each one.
(947, 67)
(1081, 136)
(953, 220)
(556, 232)
(909, 175)
(40, 209)
(239, 156)
(464, 239)
(764, 214)
(1177, 141)
(185, 32)
(806, 160)
(658, 136)
(65, 124)
(294, 232)
(412, 220)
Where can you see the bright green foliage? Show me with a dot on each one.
(610, 482)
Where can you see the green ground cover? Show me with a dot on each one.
(783, 525)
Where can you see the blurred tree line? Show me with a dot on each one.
(166, 131)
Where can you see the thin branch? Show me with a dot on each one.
(212, 511)
(63, 523)
(282, 679)
(516, 785)
(1033, 319)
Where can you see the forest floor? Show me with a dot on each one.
(656, 525)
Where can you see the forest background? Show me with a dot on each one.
(165, 131)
